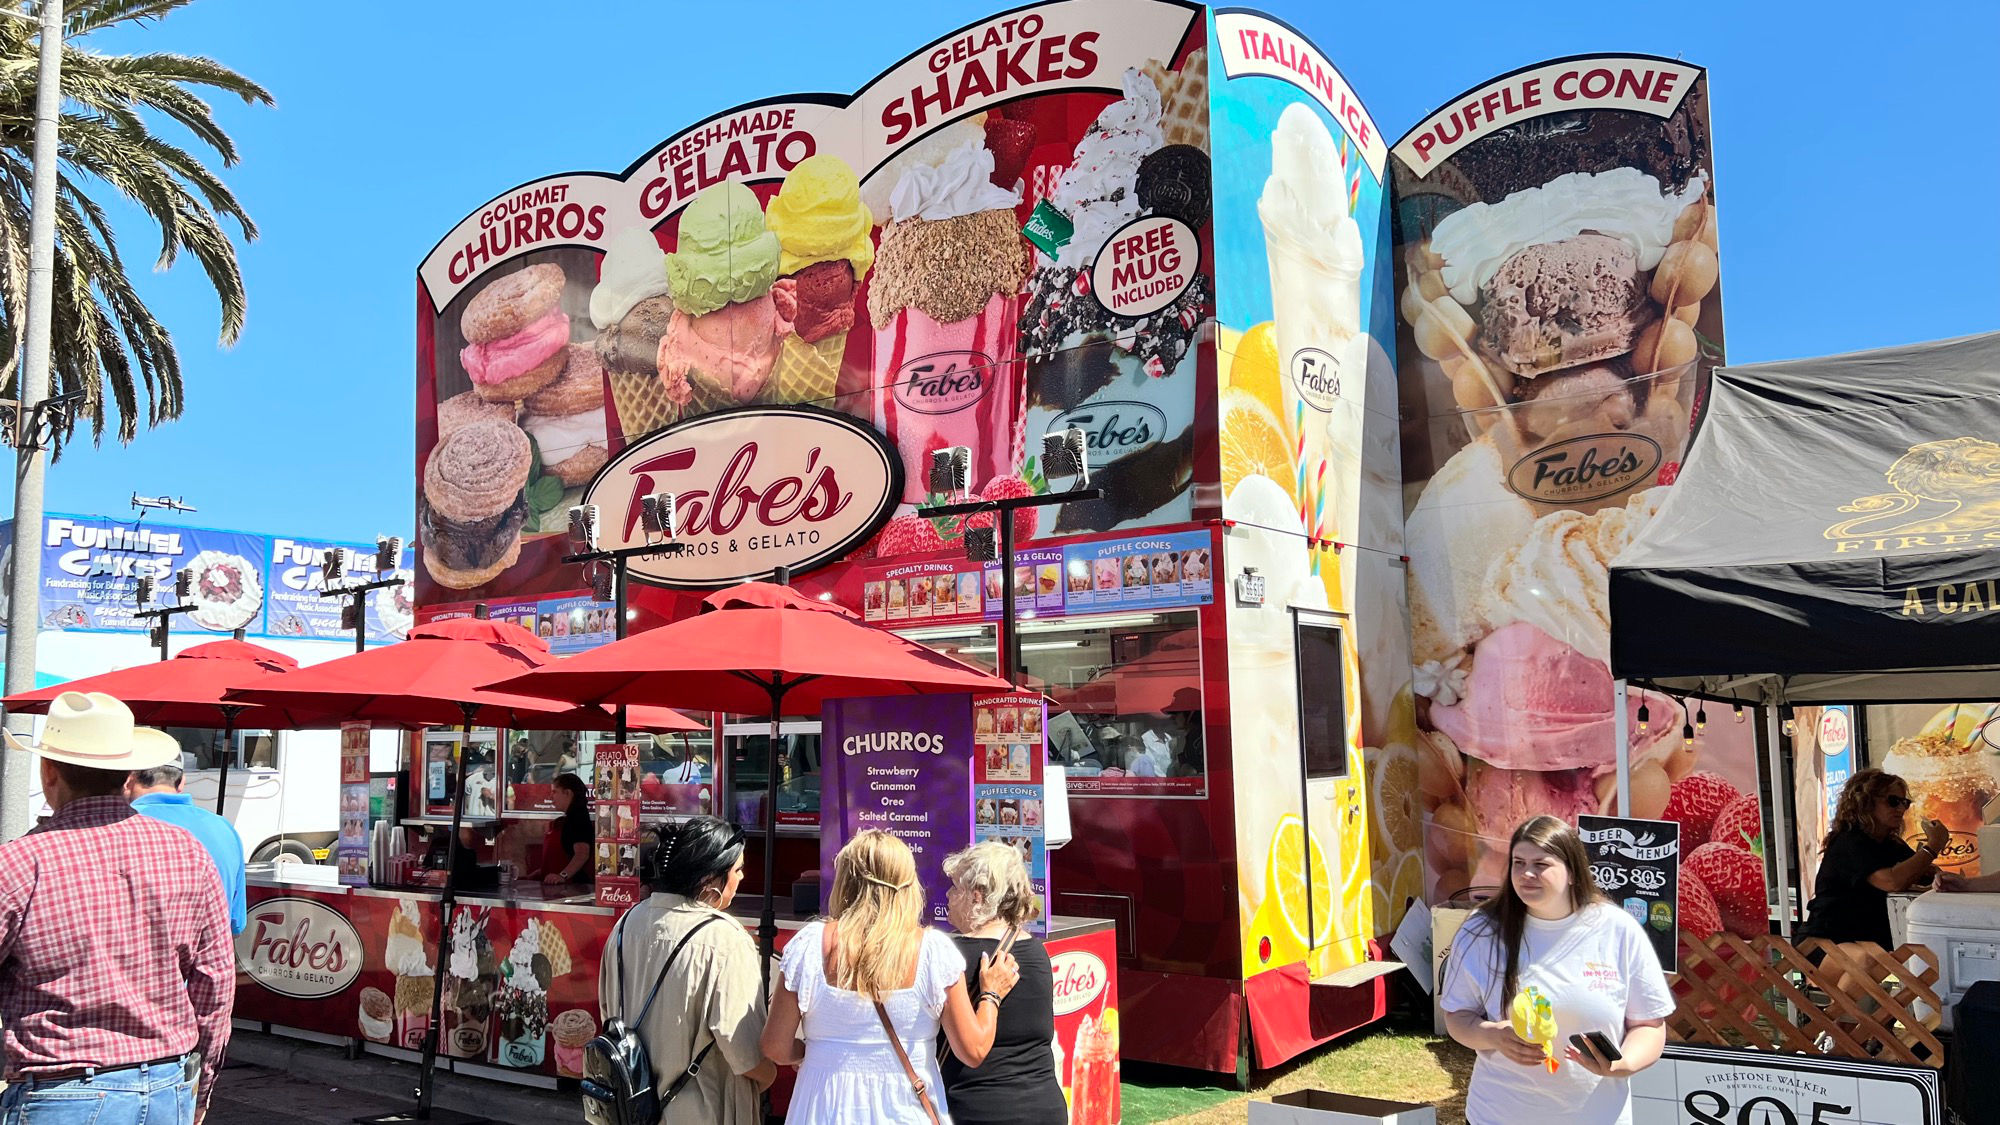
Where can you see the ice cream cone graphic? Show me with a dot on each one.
(823, 229)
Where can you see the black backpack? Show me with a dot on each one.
(617, 1072)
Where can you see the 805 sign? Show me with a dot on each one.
(1708, 1107)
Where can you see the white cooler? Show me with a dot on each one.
(1964, 931)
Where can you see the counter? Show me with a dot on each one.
(320, 961)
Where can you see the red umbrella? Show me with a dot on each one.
(188, 691)
(758, 648)
(432, 679)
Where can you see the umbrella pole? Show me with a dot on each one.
(229, 713)
(767, 922)
(446, 906)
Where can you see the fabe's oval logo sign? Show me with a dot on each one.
(1080, 978)
(942, 382)
(299, 947)
(1315, 373)
(755, 489)
(1582, 469)
(1113, 429)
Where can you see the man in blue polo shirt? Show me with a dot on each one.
(157, 793)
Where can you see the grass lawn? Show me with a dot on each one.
(1383, 1062)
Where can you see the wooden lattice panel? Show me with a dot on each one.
(1766, 994)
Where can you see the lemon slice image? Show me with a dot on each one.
(1287, 876)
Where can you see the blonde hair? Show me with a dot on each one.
(998, 880)
(876, 912)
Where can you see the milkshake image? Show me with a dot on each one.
(405, 954)
(468, 988)
(1316, 259)
(1950, 782)
(572, 1029)
(945, 306)
(1093, 1078)
(521, 1006)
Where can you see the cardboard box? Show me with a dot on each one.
(1322, 1107)
(1445, 921)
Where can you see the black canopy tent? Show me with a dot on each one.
(1833, 537)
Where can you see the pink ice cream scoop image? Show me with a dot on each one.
(514, 356)
(726, 356)
(1532, 702)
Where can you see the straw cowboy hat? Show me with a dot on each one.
(96, 730)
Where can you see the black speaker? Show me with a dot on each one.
(1973, 1076)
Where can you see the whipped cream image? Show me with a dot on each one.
(564, 435)
(1099, 191)
(1305, 198)
(1622, 203)
(1559, 578)
(928, 152)
(959, 185)
(465, 935)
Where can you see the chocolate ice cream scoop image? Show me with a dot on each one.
(1559, 304)
(473, 505)
(633, 344)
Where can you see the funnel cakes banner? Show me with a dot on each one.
(1004, 234)
(1559, 313)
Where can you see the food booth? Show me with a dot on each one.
(1867, 581)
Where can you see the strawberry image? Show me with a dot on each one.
(1695, 801)
(1741, 824)
(1026, 521)
(1735, 878)
(1707, 968)
(1699, 915)
(905, 535)
(1010, 143)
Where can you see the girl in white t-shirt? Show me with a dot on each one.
(1550, 927)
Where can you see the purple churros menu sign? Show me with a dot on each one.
(901, 764)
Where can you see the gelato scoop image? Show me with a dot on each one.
(566, 419)
(634, 269)
(1558, 304)
(725, 252)
(825, 236)
(729, 318)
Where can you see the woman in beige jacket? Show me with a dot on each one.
(710, 997)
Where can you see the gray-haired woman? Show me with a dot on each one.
(990, 903)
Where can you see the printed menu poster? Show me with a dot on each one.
(351, 846)
(616, 807)
(898, 763)
(1638, 863)
(1009, 734)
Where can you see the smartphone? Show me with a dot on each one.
(1605, 1048)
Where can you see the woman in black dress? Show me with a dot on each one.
(990, 902)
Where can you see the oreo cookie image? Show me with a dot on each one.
(1174, 181)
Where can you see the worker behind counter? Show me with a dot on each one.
(1864, 861)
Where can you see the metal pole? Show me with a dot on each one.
(1621, 746)
(1780, 832)
(361, 621)
(447, 904)
(619, 733)
(229, 713)
(25, 592)
(1010, 627)
(767, 919)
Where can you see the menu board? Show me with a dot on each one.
(1154, 572)
(1009, 735)
(900, 764)
(1637, 863)
(351, 845)
(617, 811)
(570, 624)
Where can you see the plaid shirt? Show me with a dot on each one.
(114, 944)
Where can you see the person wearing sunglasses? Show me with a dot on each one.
(1864, 860)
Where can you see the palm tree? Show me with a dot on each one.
(105, 342)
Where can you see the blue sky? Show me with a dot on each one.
(1856, 175)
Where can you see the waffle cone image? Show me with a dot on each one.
(807, 372)
(556, 950)
(641, 403)
(1183, 99)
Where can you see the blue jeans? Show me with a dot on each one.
(160, 1094)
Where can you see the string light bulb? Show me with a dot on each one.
(1790, 725)
(1739, 712)
(1644, 718)
(1687, 735)
(1701, 716)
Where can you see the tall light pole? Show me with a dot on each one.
(25, 592)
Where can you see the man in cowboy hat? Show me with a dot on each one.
(117, 971)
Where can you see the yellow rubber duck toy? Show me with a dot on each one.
(1534, 1021)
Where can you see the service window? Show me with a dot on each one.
(1126, 704)
(1322, 701)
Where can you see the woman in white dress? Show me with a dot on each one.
(873, 947)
